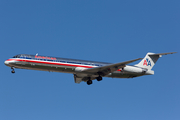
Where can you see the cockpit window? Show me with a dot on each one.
(17, 56)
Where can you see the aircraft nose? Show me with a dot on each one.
(6, 62)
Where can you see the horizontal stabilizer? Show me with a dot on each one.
(163, 53)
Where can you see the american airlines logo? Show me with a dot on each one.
(147, 62)
(42, 57)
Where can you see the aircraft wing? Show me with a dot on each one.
(104, 70)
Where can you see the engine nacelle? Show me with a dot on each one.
(133, 69)
(80, 69)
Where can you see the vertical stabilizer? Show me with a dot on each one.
(150, 59)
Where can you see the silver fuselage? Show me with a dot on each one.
(54, 64)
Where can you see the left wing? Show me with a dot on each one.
(102, 71)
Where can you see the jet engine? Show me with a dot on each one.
(134, 69)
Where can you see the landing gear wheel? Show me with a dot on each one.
(89, 82)
(12, 71)
(99, 78)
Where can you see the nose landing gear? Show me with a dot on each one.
(13, 71)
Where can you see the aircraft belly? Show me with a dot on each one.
(118, 74)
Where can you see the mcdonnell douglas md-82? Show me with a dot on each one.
(86, 70)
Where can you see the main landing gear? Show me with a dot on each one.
(99, 78)
(13, 71)
(89, 82)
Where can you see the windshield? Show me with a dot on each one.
(17, 56)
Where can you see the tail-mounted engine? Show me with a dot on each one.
(134, 69)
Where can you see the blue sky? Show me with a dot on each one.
(108, 31)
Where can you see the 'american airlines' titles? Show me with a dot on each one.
(42, 57)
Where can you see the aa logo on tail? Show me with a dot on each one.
(147, 62)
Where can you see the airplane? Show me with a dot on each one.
(84, 70)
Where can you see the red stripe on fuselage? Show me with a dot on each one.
(50, 63)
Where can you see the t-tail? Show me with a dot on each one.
(150, 59)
